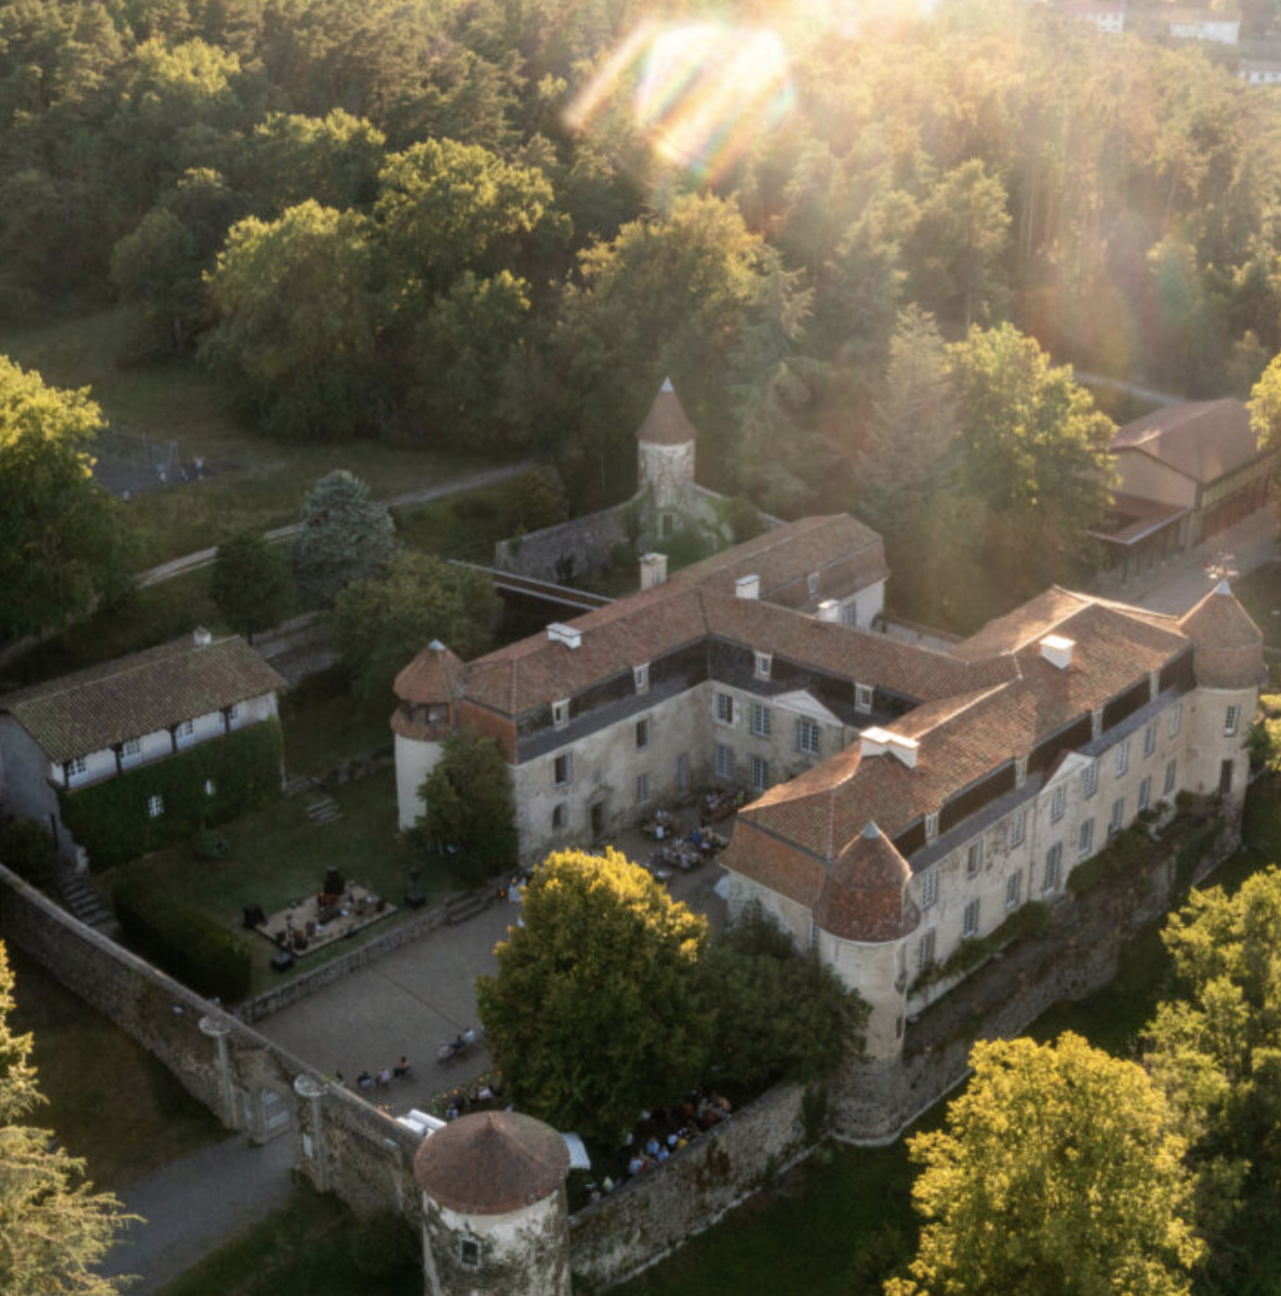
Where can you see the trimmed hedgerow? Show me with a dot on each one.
(111, 820)
(185, 942)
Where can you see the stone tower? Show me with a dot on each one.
(495, 1217)
(428, 689)
(666, 447)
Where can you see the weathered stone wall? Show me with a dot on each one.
(646, 1218)
(585, 542)
(342, 1144)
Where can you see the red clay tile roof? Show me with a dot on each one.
(1229, 646)
(666, 423)
(864, 896)
(435, 675)
(1201, 439)
(97, 708)
(491, 1163)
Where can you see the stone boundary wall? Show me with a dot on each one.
(588, 541)
(303, 631)
(341, 1143)
(647, 1218)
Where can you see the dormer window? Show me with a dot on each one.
(640, 676)
(931, 825)
(1096, 722)
(812, 583)
(1020, 771)
(863, 698)
(560, 714)
(763, 662)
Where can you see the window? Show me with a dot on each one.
(560, 714)
(973, 857)
(642, 789)
(1091, 779)
(1171, 772)
(760, 720)
(971, 926)
(811, 583)
(929, 888)
(562, 769)
(1096, 722)
(1230, 721)
(762, 665)
(211, 788)
(1085, 842)
(560, 816)
(1225, 777)
(132, 748)
(1123, 758)
(931, 825)
(1053, 866)
(725, 708)
(1176, 718)
(1118, 816)
(1020, 771)
(640, 676)
(682, 771)
(925, 950)
(724, 762)
(1058, 803)
(807, 736)
(469, 1252)
(862, 697)
(233, 714)
(849, 614)
(1145, 794)
(78, 765)
(642, 733)
(1013, 890)
(155, 806)
(1018, 827)
(760, 773)
(1149, 739)
(187, 729)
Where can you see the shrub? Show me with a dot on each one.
(1125, 852)
(184, 941)
(27, 848)
(1032, 918)
(744, 519)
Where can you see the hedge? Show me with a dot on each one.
(110, 819)
(185, 942)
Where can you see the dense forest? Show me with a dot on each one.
(496, 224)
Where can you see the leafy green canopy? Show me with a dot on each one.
(63, 542)
(251, 585)
(1058, 1175)
(345, 536)
(381, 623)
(54, 1230)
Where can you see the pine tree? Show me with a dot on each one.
(345, 536)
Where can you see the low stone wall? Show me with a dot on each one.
(647, 1218)
(585, 542)
(342, 1144)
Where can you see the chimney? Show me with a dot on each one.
(876, 741)
(748, 587)
(653, 570)
(559, 633)
(829, 610)
(201, 637)
(1057, 651)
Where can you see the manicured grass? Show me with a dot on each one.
(110, 1101)
(329, 730)
(279, 855)
(251, 481)
(465, 526)
(303, 1250)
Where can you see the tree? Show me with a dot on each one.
(250, 583)
(1058, 1173)
(1216, 1053)
(594, 1013)
(1265, 406)
(63, 542)
(54, 1230)
(470, 810)
(345, 536)
(380, 623)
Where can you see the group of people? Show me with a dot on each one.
(365, 1080)
(672, 1130)
(480, 1095)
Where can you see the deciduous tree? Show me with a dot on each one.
(594, 1014)
(54, 1229)
(1058, 1173)
(250, 584)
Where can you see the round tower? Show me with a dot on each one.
(665, 442)
(428, 690)
(864, 916)
(495, 1217)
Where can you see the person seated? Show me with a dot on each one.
(636, 1165)
(652, 1146)
(365, 1080)
(384, 1076)
(402, 1069)
(663, 1154)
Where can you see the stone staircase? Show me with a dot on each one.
(324, 811)
(298, 783)
(84, 903)
(466, 904)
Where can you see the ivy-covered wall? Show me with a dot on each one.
(110, 819)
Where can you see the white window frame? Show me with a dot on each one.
(761, 720)
(1176, 719)
(640, 677)
(130, 747)
(725, 708)
(560, 713)
(233, 713)
(1122, 758)
(1091, 779)
(1018, 826)
(1014, 890)
(76, 766)
(187, 729)
(1053, 869)
(931, 825)
(808, 736)
(970, 920)
(1231, 721)
(973, 858)
(929, 888)
(1149, 739)
(1058, 803)
(211, 788)
(1171, 774)
(1085, 839)
(1020, 771)
(1096, 722)
(760, 773)
(863, 694)
(1145, 793)
(925, 950)
(643, 793)
(724, 761)
(763, 663)
(849, 613)
(811, 583)
(567, 758)
(155, 805)
(1117, 821)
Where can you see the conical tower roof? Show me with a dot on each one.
(491, 1163)
(865, 895)
(667, 423)
(1229, 646)
(435, 675)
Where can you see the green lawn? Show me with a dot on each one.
(325, 726)
(252, 481)
(303, 1250)
(278, 855)
(110, 1101)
